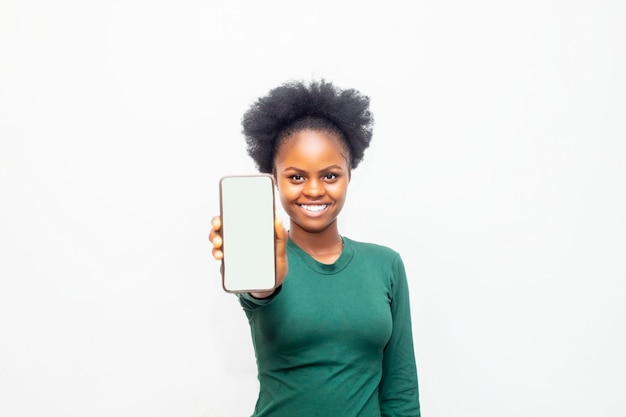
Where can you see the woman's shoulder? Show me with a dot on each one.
(372, 249)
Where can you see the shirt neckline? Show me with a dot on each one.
(326, 269)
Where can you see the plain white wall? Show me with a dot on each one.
(496, 169)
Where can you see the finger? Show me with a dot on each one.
(217, 241)
(216, 223)
(281, 233)
(218, 254)
(281, 237)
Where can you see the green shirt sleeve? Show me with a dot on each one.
(249, 303)
(398, 391)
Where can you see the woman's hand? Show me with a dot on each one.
(281, 235)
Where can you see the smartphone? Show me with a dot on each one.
(247, 208)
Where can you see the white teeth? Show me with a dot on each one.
(313, 207)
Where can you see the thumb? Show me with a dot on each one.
(281, 233)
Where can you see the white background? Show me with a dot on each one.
(496, 170)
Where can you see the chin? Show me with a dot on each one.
(314, 227)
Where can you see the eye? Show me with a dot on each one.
(330, 176)
(296, 178)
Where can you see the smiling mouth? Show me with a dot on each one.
(313, 207)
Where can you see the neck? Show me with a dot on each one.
(325, 246)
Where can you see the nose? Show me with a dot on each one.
(314, 188)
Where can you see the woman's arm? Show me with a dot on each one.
(398, 391)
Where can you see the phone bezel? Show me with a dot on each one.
(272, 184)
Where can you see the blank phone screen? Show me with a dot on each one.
(247, 210)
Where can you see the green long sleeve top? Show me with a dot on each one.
(335, 340)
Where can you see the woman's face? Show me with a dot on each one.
(312, 175)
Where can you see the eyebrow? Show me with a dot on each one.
(330, 167)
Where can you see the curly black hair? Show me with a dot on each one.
(295, 106)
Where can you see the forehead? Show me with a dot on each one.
(309, 147)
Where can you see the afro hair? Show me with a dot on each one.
(295, 106)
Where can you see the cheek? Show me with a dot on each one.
(340, 189)
(285, 192)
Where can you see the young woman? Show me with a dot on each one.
(334, 339)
